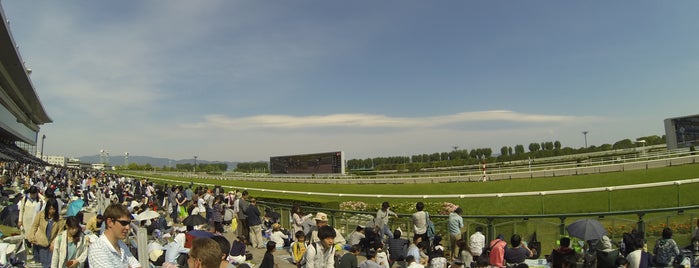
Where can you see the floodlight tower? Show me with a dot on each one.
(195, 165)
(43, 137)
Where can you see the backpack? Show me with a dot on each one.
(430, 225)
(485, 256)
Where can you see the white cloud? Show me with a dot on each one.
(218, 121)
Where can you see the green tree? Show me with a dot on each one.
(548, 146)
(623, 144)
(533, 147)
(519, 149)
(504, 151)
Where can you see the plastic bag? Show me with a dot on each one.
(234, 224)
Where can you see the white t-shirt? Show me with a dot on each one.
(420, 222)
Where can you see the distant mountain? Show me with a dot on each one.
(153, 161)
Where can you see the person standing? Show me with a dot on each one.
(70, 246)
(381, 221)
(454, 224)
(321, 254)
(42, 232)
(180, 200)
(255, 224)
(420, 223)
(268, 259)
(29, 207)
(242, 208)
(217, 214)
(110, 250)
(298, 218)
(476, 243)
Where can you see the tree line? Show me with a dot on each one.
(463, 157)
(187, 167)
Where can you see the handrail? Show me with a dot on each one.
(511, 194)
(640, 224)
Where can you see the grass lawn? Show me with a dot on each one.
(657, 197)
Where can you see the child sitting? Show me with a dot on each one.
(382, 256)
(298, 248)
(278, 236)
(349, 260)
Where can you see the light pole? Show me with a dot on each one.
(195, 165)
(43, 138)
(585, 133)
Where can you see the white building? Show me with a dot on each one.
(56, 160)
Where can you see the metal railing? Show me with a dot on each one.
(549, 227)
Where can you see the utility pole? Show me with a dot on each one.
(195, 165)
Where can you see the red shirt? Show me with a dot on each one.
(497, 253)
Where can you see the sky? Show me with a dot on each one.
(246, 80)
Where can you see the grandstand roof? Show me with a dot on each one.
(17, 92)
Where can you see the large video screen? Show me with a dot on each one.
(317, 163)
(686, 131)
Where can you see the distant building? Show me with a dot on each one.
(75, 163)
(682, 132)
(55, 160)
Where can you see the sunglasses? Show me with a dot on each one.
(122, 222)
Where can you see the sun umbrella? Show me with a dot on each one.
(194, 220)
(586, 229)
(200, 233)
(147, 215)
(74, 207)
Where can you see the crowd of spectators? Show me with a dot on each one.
(61, 238)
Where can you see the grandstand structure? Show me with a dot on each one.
(21, 112)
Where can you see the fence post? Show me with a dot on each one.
(562, 226)
(641, 226)
(491, 229)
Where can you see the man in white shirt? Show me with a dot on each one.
(31, 204)
(382, 219)
(109, 250)
(476, 243)
(322, 253)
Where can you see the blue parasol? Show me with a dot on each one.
(74, 207)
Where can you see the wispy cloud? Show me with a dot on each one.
(218, 121)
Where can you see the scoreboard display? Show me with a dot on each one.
(682, 132)
(317, 163)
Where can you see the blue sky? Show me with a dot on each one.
(245, 80)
